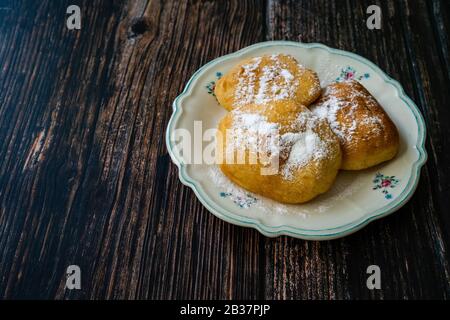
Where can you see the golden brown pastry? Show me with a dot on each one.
(281, 151)
(261, 80)
(367, 134)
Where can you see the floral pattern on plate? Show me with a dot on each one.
(212, 84)
(350, 73)
(243, 201)
(384, 183)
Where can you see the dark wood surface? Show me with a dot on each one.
(85, 177)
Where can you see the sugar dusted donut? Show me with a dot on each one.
(261, 80)
(303, 148)
(367, 134)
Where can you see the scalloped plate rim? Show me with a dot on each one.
(306, 234)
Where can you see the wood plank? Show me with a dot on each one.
(411, 246)
(86, 178)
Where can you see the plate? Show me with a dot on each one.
(356, 198)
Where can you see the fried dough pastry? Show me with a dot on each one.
(261, 80)
(367, 134)
(281, 151)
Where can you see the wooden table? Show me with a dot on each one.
(85, 177)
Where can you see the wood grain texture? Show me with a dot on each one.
(411, 246)
(85, 177)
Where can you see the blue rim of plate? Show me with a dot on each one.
(307, 234)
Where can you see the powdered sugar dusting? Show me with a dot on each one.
(296, 147)
(286, 75)
(254, 132)
(344, 123)
(245, 89)
(328, 110)
(261, 85)
(304, 145)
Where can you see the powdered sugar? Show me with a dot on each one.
(296, 147)
(286, 75)
(254, 132)
(303, 150)
(328, 110)
(246, 86)
(304, 145)
(261, 85)
(344, 123)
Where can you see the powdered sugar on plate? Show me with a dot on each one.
(263, 204)
(345, 187)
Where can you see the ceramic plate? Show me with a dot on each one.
(356, 198)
